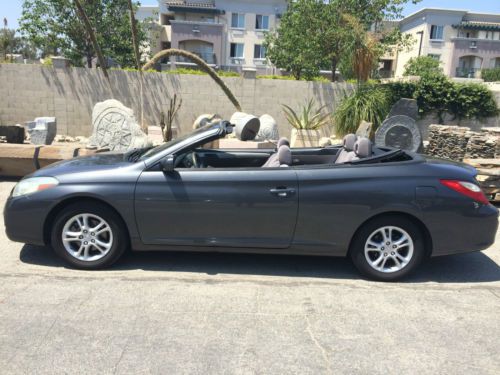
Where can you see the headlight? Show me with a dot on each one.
(34, 184)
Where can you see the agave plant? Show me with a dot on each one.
(309, 118)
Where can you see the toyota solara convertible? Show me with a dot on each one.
(386, 209)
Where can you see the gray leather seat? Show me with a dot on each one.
(347, 152)
(273, 160)
(282, 158)
(363, 148)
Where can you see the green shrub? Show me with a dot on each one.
(223, 73)
(436, 93)
(398, 89)
(473, 100)
(491, 75)
(422, 66)
(369, 103)
(185, 71)
(291, 78)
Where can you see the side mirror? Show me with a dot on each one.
(167, 164)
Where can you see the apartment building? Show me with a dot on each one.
(464, 42)
(225, 33)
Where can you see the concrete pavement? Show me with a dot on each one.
(169, 313)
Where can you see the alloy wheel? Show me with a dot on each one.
(87, 237)
(389, 249)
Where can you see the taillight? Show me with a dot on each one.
(468, 189)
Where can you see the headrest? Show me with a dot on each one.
(349, 141)
(284, 155)
(363, 148)
(283, 141)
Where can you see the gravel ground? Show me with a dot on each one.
(175, 313)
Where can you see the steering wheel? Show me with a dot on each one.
(188, 160)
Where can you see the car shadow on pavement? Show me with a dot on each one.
(462, 268)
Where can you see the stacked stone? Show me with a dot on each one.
(481, 146)
(494, 132)
(448, 142)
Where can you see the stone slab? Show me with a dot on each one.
(20, 160)
(405, 107)
(399, 132)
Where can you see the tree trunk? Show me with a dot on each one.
(93, 38)
(334, 68)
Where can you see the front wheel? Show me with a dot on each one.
(388, 248)
(89, 236)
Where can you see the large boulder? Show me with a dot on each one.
(115, 128)
(268, 129)
(246, 126)
(399, 132)
(405, 107)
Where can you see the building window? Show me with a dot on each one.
(262, 22)
(259, 52)
(238, 20)
(436, 32)
(236, 51)
(434, 56)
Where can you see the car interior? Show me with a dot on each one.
(354, 150)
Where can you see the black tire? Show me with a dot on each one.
(357, 249)
(120, 241)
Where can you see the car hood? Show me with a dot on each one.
(97, 162)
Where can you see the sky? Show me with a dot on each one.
(11, 9)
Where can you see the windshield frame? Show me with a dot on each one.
(205, 133)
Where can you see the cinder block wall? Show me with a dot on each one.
(29, 91)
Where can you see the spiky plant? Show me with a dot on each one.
(172, 111)
(309, 118)
(201, 64)
(368, 103)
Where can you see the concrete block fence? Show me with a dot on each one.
(29, 91)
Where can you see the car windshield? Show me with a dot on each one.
(148, 152)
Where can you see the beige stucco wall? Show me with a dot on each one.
(29, 91)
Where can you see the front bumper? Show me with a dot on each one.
(24, 219)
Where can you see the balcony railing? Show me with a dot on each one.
(467, 72)
(208, 57)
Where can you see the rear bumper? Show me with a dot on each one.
(464, 231)
(24, 219)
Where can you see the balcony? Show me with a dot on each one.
(209, 58)
(467, 72)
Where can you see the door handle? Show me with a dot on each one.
(282, 192)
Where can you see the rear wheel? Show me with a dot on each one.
(89, 236)
(388, 248)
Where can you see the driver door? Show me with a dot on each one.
(237, 207)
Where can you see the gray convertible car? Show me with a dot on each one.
(385, 208)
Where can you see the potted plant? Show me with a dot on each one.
(306, 124)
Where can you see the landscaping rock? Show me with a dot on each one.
(268, 129)
(115, 128)
(246, 126)
(364, 129)
(400, 132)
(43, 130)
(13, 133)
(405, 107)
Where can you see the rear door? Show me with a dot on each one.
(254, 207)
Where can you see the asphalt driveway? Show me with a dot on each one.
(171, 313)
